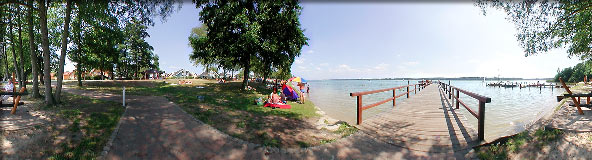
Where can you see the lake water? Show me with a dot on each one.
(510, 110)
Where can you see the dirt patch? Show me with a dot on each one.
(76, 129)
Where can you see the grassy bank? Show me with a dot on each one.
(90, 123)
(78, 128)
(233, 111)
(526, 141)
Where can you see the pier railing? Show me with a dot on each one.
(360, 107)
(480, 115)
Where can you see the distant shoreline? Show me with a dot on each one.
(442, 78)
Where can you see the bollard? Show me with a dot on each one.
(124, 96)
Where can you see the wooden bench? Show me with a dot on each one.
(15, 100)
(573, 96)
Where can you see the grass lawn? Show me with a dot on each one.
(78, 128)
(90, 123)
(523, 141)
(233, 111)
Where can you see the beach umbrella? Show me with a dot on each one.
(297, 79)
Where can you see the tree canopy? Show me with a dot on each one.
(545, 25)
(106, 35)
(259, 35)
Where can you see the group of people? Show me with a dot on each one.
(279, 97)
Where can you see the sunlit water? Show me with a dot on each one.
(510, 110)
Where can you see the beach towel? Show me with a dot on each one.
(280, 106)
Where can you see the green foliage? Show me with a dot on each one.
(545, 25)
(346, 130)
(258, 36)
(575, 74)
(531, 140)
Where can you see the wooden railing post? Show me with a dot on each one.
(359, 110)
(407, 88)
(450, 93)
(481, 128)
(457, 97)
(394, 97)
(415, 89)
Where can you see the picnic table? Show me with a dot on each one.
(15, 100)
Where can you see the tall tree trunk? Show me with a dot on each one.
(79, 74)
(40, 71)
(21, 66)
(13, 46)
(79, 52)
(246, 75)
(2, 33)
(6, 62)
(46, 56)
(65, 35)
(32, 50)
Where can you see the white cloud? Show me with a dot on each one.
(412, 63)
(324, 64)
(174, 67)
(299, 61)
(310, 51)
(381, 66)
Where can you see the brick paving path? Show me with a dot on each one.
(155, 128)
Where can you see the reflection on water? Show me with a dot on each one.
(510, 110)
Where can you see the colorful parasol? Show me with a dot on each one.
(297, 79)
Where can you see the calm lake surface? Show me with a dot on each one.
(509, 112)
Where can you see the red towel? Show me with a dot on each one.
(281, 106)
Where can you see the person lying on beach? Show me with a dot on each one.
(274, 99)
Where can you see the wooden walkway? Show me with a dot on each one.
(425, 122)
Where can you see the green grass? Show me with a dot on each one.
(346, 130)
(223, 106)
(228, 95)
(533, 141)
(328, 141)
(99, 117)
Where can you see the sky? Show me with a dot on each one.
(386, 40)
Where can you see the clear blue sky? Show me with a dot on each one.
(376, 40)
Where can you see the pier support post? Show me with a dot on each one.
(481, 123)
(450, 93)
(359, 110)
(457, 98)
(394, 97)
(407, 88)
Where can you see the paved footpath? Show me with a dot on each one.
(154, 128)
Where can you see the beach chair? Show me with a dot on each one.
(576, 102)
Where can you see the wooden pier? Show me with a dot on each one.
(428, 121)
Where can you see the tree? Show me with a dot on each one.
(65, 35)
(49, 100)
(248, 33)
(545, 25)
(32, 51)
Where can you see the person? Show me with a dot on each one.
(302, 98)
(274, 99)
(283, 96)
(7, 88)
(307, 88)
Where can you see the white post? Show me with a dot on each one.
(124, 96)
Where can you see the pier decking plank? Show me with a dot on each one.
(425, 122)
